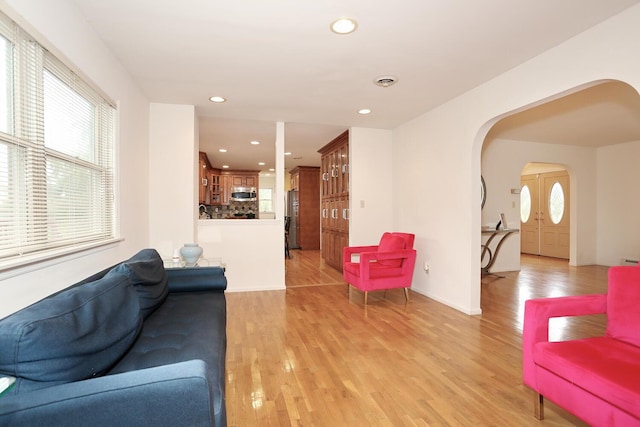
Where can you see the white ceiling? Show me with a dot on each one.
(606, 114)
(277, 60)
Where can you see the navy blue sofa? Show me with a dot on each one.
(133, 345)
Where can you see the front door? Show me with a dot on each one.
(554, 220)
(544, 214)
(529, 215)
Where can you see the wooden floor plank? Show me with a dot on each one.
(313, 356)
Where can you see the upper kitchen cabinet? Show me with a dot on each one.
(244, 179)
(210, 183)
(335, 166)
(294, 180)
(216, 190)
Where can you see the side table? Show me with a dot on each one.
(501, 234)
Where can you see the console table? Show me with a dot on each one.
(500, 236)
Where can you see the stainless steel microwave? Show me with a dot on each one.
(243, 194)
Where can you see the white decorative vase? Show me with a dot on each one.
(190, 253)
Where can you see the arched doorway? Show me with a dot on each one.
(574, 131)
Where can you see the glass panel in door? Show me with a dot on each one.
(529, 218)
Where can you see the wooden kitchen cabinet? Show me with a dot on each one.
(215, 187)
(225, 189)
(244, 180)
(236, 178)
(294, 180)
(334, 205)
(307, 216)
(204, 172)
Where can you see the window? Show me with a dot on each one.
(56, 154)
(265, 199)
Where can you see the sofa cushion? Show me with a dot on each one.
(75, 334)
(148, 277)
(390, 243)
(189, 325)
(623, 300)
(605, 366)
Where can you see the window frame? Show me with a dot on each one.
(27, 189)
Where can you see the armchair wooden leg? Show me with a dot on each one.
(538, 405)
(406, 293)
(366, 294)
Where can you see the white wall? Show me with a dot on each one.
(618, 222)
(252, 250)
(173, 197)
(502, 164)
(439, 152)
(501, 174)
(61, 28)
(370, 185)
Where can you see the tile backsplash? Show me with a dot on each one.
(229, 211)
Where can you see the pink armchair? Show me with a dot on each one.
(597, 378)
(388, 265)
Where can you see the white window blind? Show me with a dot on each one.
(56, 154)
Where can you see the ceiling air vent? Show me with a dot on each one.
(385, 81)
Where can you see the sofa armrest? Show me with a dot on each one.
(387, 255)
(537, 313)
(191, 279)
(408, 257)
(348, 251)
(176, 394)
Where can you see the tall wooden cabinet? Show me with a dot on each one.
(306, 181)
(334, 209)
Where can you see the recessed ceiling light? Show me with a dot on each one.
(261, 163)
(217, 99)
(225, 166)
(364, 111)
(272, 170)
(255, 142)
(385, 81)
(344, 26)
(288, 153)
(222, 150)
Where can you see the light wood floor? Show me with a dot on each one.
(312, 356)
